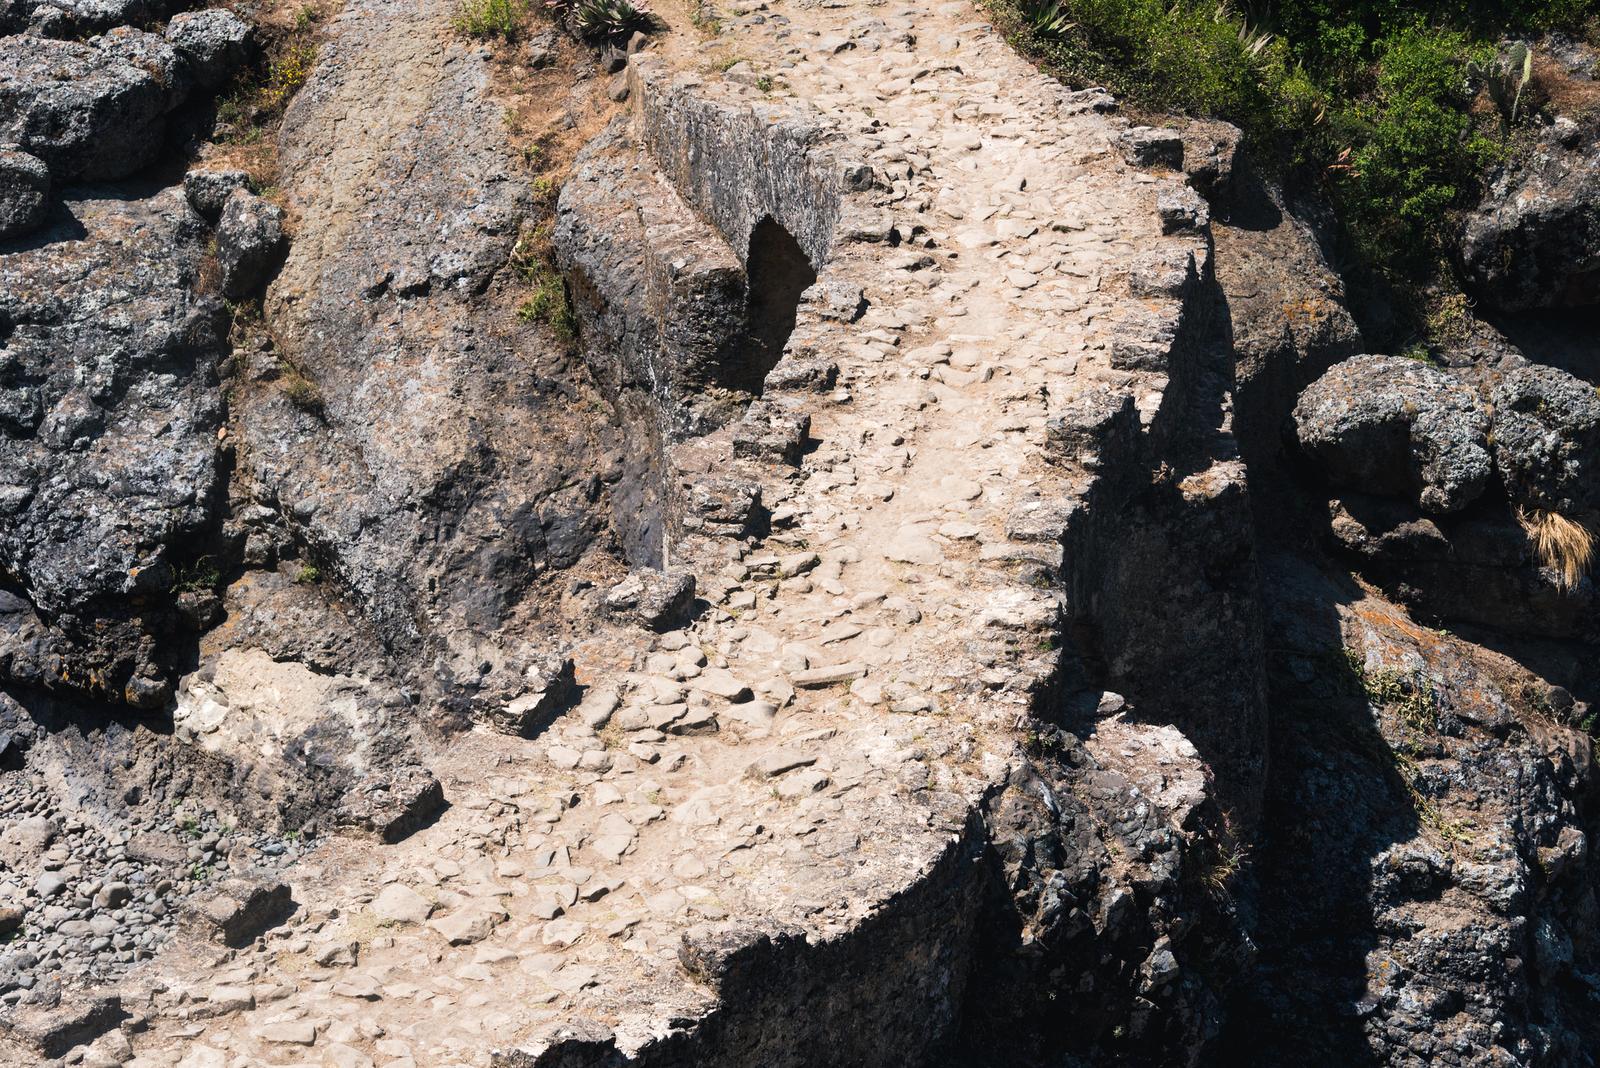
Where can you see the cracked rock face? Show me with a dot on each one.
(90, 111)
(109, 413)
(1534, 241)
(1388, 425)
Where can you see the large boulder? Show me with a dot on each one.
(109, 413)
(24, 192)
(215, 43)
(250, 243)
(1397, 427)
(1547, 438)
(89, 111)
(81, 18)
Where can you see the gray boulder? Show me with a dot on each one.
(216, 43)
(1547, 438)
(89, 111)
(208, 191)
(250, 243)
(24, 192)
(81, 18)
(1396, 427)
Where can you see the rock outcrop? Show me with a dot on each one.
(826, 587)
(24, 192)
(90, 111)
(1530, 243)
(109, 433)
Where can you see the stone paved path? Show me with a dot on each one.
(814, 743)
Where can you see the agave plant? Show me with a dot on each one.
(610, 20)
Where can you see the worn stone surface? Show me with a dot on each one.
(423, 445)
(858, 629)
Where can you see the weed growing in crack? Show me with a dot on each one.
(301, 392)
(489, 19)
(199, 576)
(548, 304)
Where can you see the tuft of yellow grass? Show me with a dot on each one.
(1563, 545)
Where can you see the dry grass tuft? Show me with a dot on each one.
(1563, 545)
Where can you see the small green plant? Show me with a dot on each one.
(613, 21)
(488, 19)
(1043, 742)
(549, 303)
(200, 575)
(705, 19)
(765, 83)
(301, 392)
(1506, 77)
(545, 189)
(189, 827)
(307, 574)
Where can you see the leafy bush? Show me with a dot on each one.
(1374, 97)
(490, 18)
(1416, 152)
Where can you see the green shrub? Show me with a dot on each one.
(1373, 98)
(1415, 152)
(490, 18)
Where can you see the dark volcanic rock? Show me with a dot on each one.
(109, 412)
(250, 243)
(216, 43)
(1472, 568)
(1286, 305)
(208, 191)
(1534, 241)
(1393, 426)
(24, 192)
(90, 111)
(1547, 438)
(80, 18)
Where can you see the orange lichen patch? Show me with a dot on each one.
(1306, 309)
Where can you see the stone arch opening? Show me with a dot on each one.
(777, 272)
